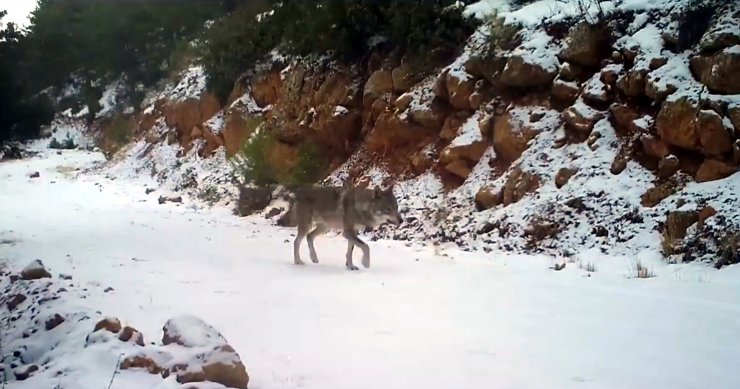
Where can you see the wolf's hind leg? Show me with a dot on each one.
(302, 231)
(319, 230)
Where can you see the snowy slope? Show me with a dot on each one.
(417, 318)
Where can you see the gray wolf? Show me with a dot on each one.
(344, 208)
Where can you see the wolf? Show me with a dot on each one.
(345, 208)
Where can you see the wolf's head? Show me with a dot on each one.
(384, 207)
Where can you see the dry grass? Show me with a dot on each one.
(588, 266)
(641, 271)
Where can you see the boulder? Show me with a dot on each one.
(678, 222)
(430, 116)
(584, 45)
(403, 77)
(654, 147)
(510, 137)
(459, 168)
(656, 194)
(53, 322)
(23, 373)
(153, 362)
(131, 334)
(668, 166)
(714, 137)
(378, 84)
(266, 88)
(624, 116)
(403, 101)
(719, 72)
(253, 200)
(520, 73)
(14, 301)
(565, 92)
(221, 365)
(440, 85)
(632, 83)
(460, 85)
(517, 185)
(681, 123)
(190, 331)
(712, 169)
(471, 152)
(582, 118)
(450, 128)
(595, 92)
(705, 213)
(563, 176)
(487, 198)
(390, 131)
(569, 72)
(619, 164)
(733, 113)
(110, 324)
(421, 162)
(34, 271)
(610, 74)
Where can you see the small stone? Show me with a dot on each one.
(705, 213)
(619, 164)
(15, 301)
(34, 271)
(129, 333)
(54, 321)
(23, 373)
(111, 324)
(35, 175)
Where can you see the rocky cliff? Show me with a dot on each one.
(558, 128)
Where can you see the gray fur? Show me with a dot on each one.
(344, 209)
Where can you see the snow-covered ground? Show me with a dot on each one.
(418, 318)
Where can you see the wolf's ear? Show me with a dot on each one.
(377, 192)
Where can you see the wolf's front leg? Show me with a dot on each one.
(351, 236)
(350, 248)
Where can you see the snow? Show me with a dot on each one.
(469, 132)
(732, 50)
(340, 111)
(192, 331)
(540, 50)
(650, 42)
(191, 83)
(64, 128)
(217, 123)
(486, 8)
(419, 317)
(110, 97)
(557, 10)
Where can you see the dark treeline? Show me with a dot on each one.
(89, 43)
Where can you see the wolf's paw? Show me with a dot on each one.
(298, 262)
(315, 259)
(366, 262)
(352, 267)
